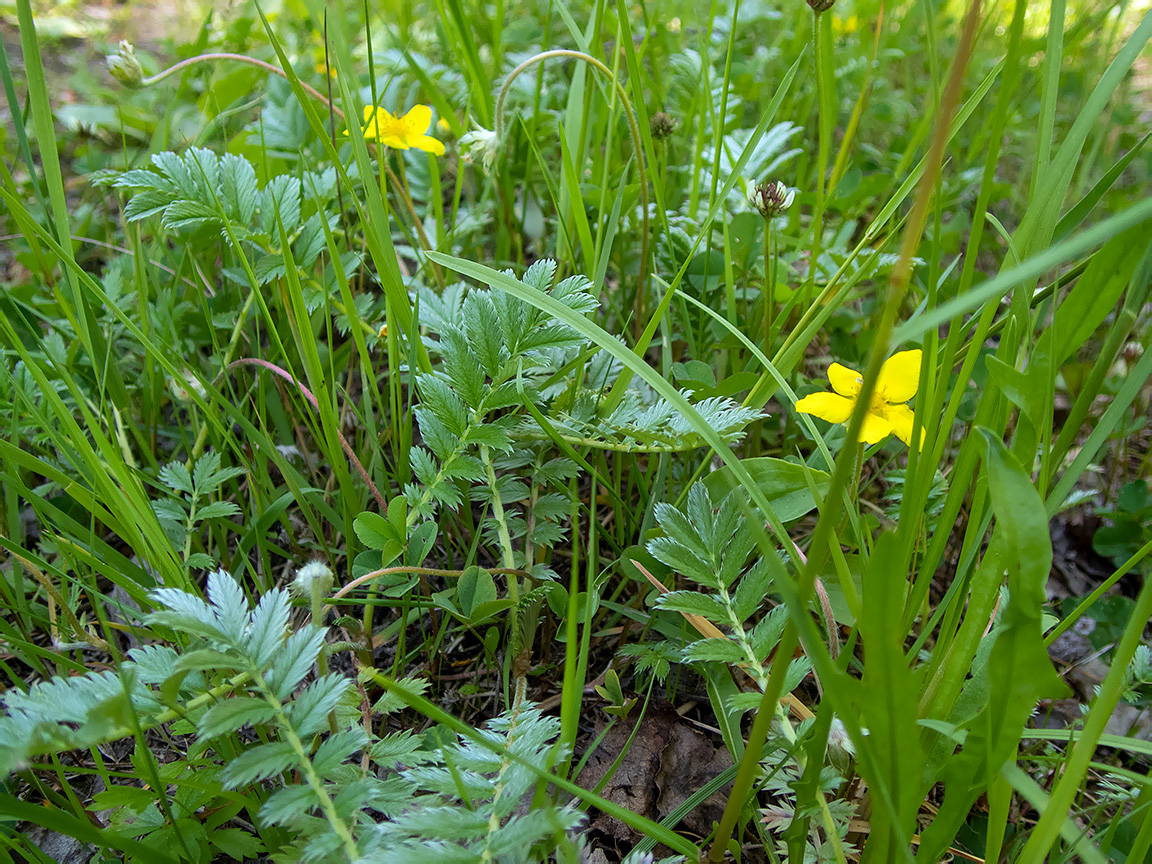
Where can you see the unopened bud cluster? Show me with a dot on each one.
(124, 66)
(313, 578)
(481, 145)
(662, 125)
(771, 198)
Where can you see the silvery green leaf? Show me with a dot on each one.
(232, 714)
(309, 711)
(295, 661)
(259, 763)
(269, 620)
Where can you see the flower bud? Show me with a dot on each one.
(312, 577)
(182, 389)
(481, 144)
(841, 750)
(124, 66)
(771, 198)
(821, 5)
(663, 125)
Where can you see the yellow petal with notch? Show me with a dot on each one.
(900, 376)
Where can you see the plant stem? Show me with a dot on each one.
(239, 58)
(327, 806)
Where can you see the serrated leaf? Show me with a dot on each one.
(295, 661)
(237, 844)
(488, 435)
(766, 634)
(286, 804)
(436, 396)
(238, 187)
(694, 603)
(462, 367)
(217, 510)
(265, 636)
(230, 604)
(338, 749)
(482, 328)
(280, 197)
(188, 214)
(174, 169)
(309, 711)
(175, 476)
(752, 590)
(722, 650)
(259, 763)
(186, 608)
(233, 714)
(207, 658)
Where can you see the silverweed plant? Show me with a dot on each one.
(652, 432)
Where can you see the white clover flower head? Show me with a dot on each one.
(315, 575)
(771, 198)
(124, 66)
(481, 144)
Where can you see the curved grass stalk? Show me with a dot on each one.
(633, 129)
(287, 376)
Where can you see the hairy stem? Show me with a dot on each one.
(327, 806)
(239, 58)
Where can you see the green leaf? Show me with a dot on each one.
(233, 714)
(237, 844)
(1096, 294)
(295, 661)
(721, 650)
(259, 763)
(216, 510)
(376, 532)
(238, 188)
(338, 749)
(783, 483)
(482, 329)
(175, 475)
(265, 636)
(475, 587)
(310, 709)
(694, 603)
(287, 804)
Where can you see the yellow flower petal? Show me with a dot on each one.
(391, 139)
(429, 145)
(826, 406)
(844, 381)
(902, 418)
(900, 376)
(875, 428)
(416, 121)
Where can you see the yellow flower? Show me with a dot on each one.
(845, 25)
(401, 133)
(887, 413)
